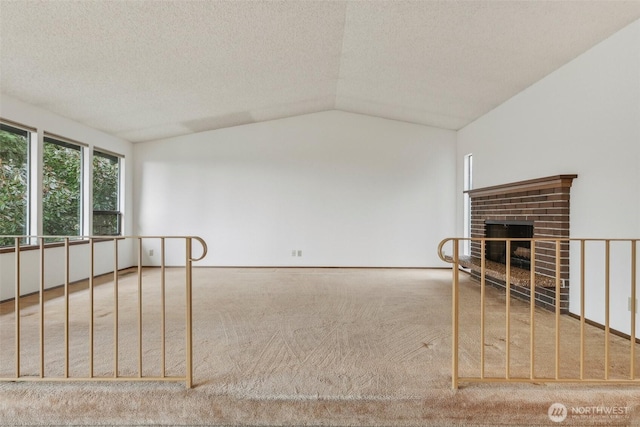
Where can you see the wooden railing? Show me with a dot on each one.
(20, 347)
(559, 371)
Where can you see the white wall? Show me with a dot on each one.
(584, 118)
(42, 120)
(54, 265)
(345, 189)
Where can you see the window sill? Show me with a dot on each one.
(12, 249)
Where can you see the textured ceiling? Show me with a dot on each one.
(145, 70)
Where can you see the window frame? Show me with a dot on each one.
(34, 215)
(467, 180)
(16, 128)
(119, 211)
(80, 147)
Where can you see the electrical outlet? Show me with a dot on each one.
(150, 252)
(299, 252)
(293, 252)
(629, 304)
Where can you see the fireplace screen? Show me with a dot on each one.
(520, 250)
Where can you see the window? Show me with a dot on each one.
(46, 190)
(106, 195)
(14, 182)
(468, 185)
(61, 188)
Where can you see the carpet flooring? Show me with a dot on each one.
(289, 346)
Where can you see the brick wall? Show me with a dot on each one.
(543, 201)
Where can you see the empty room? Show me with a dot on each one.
(347, 213)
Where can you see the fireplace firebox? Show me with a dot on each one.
(520, 253)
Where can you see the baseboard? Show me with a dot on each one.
(601, 326)
(322, 266)
(75, 282)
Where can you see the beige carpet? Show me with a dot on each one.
(361, 347)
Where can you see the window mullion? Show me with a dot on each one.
(36, 163)
(121, 194)
(87, 191)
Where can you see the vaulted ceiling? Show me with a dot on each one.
(145, 70)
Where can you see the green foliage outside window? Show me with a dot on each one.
(14, 183)
(106, 178)
(61, 188)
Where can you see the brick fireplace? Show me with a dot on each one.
(540, 204)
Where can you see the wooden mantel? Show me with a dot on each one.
(555, 181)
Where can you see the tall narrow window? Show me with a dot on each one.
(468, 185)
(61, 188)
(14, 182)
(107, 217)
